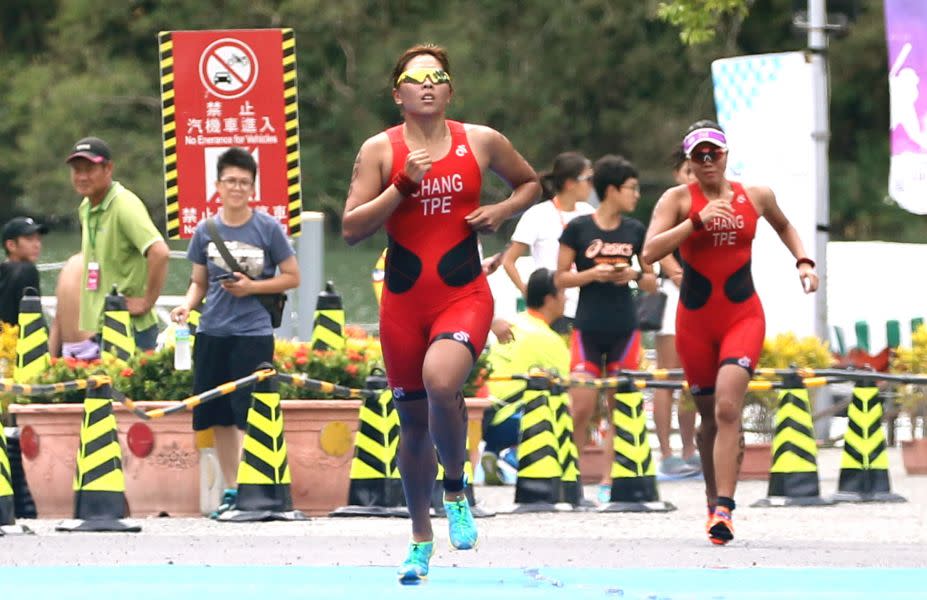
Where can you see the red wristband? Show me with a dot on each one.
(696, 220)
(406, 186)
(804, 261)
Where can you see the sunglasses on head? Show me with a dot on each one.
(435, 74)
(704, 155)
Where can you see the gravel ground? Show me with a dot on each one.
(845, 535)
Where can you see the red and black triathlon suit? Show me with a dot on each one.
(605, 329)
(720, 318)
(434, 283)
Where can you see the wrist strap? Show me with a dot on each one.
(804, 260)
(405, 185)
(220, 245)
(696, 220)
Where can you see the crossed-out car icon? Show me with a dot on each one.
(222, 77)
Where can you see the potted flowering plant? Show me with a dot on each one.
(912, 400)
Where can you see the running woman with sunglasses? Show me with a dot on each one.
(720, 323)
(422, 180)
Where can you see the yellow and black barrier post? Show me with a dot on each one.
(375, 486)
(864, 466)
(328, 323)
(634, 481)
(264, 472)
(118, 337)
(32, 357)
(8, 524)
(99, 482)
(571, 489)
(537, 488)
(793, 477)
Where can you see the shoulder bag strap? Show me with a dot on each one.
(220, 245)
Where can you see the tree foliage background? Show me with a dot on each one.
(598, 76)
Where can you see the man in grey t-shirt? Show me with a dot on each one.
(234, 334)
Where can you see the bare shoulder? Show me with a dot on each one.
(376, 146)
(675, 201)
(482, 134)
(762, 196)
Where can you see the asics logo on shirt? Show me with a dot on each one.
(599, 248)
(461, 336)
(461, 150)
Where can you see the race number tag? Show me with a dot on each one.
(93, 276)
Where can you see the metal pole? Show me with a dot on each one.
(310, 252)
(817, 46)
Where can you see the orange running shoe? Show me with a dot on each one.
(720, 526)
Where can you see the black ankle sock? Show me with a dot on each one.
(726, 502)
(453, 485)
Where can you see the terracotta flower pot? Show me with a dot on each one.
(757, 462)
(320, 447)
(165, 480)
(914, 455)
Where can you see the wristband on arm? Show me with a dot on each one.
(804, 261)
(696, 220)
(405, 185)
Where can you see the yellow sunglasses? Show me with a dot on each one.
(437, 76)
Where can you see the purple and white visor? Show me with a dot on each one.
(705, 134)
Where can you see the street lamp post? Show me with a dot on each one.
(817, 47)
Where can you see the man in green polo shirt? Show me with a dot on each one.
(120, 244)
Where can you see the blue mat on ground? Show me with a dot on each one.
(280, 583)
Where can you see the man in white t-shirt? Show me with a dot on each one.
(539, 229)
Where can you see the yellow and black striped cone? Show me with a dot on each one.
(375, 486)
(32, 356)
(864, 467)
(378, 275)
(571, 489)
(537, 488)
(118, 337)
(328, 325)
(8, 524)
(99, 482)
(793, 478)
(634, 481)
(264, 471)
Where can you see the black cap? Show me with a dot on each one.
(20, 226)
(93, 149)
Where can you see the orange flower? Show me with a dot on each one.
(143, 361)
(351, 370)
(354, 356)
(127, 372)
(288, 366)
(301, 359)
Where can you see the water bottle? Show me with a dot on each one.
(182, 347)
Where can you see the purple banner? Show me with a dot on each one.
(906, 32)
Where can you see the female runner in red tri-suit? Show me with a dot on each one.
(719, 323)
(422, 179)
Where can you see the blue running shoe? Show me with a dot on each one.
(460, 523)
(414, 569)
(604, 493)
(229, 498)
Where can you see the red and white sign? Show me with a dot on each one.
(228, 68)
(228, 91)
